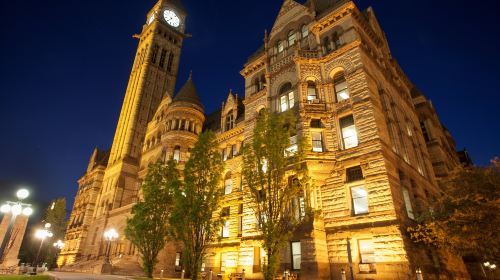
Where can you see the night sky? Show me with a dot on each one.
(64, 67)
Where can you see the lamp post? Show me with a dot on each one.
(13, 209)
(110, 236)
(42, 234)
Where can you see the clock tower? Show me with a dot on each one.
(152, 79)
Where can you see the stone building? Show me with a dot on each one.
(377, 151)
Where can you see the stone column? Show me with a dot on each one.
(11, 252)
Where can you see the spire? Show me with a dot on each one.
(188, 93)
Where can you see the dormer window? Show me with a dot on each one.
(292, 36)
(229, 120)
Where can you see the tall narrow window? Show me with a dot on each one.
(225, 229)
(366, 251)
(296, 255)
(409, 208)
(327, 45)
(228, 184)
(178, 259)
(341, 90)
(359, 200)
(235, 150)
(163, 57)
(317, 142)
(293, 148)
(177, 153)
(230, 120)
(305, 31)
(348, 131)
(312, 94)
(170, 62)
(240, 225)
(281, 46)
(154, 54)
(292, 36)
(425, 132)
(336, 40)
(287, 98)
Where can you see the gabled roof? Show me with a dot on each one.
(188, 93)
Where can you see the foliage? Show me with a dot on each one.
(268, 168)
(466, 218)
(193, 220)
(148, 228)
(19, 277)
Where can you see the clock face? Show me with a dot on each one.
(171, 18)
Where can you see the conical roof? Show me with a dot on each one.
(188, 93)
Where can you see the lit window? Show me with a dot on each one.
(177, 154)
(235, 150)
(287, 101)
(293, 148)
(292, 36)
(225, 229)
(296, 256)
(178, 259)
(264, 165)
(281, 46)
(305, 31)
(359, 200)
(228, 184)
(409, 130)
(317, 142)
(341, 90)
(312, 94)
(409, 208)
(366, 251)
(348, 131)
(229, 120)
(291, 100)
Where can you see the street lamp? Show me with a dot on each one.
(110, 235)
(14, 209)
(42, 234)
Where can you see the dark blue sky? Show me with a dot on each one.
(64, 66)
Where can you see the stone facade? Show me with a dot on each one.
(372, 168)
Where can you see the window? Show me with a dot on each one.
(425, 132)
(240, 209)
(354, 174)
(340, 84)
(240, 225)
(281, 46)
(154, 54)
(287, 98)
(230, 120)
(409, 208)
(235, 150)
(163, 56)
(228, 183)
(316, 123)
(312, 95)
(293, 148)
(292, 36)
(177, 259)
(305, 31)
(359, 200)
(170, 62)
(366, 252)
(225, 229)
(296, 256)
(327, 45)
(348, 132)
(225, 212)
(317, 142)
(177, 153)
(336, 40)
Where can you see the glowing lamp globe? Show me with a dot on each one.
(27, 211)
(22, 194)
(5, 208)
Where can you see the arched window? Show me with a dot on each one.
(228, 183)
(304, 31)
(286, 98)
(292, 36)
(312, 94)
(280, 46)
(177, 153)
(230, 120)
(340, 85)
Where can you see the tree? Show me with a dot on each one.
(466, 218)
(148, 228)
(56, 216)
(273, 170)
(196, 201)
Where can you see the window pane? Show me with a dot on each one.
(225, 229)
(350, 137)
(409, 208)
(359, 200)
(291, 99)
(291, 38)
(354, 174)
(228, 186)
(305, 31)
(311, 93)
(366, 251)
(283, 103)
(296, 255)
(317, 142)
